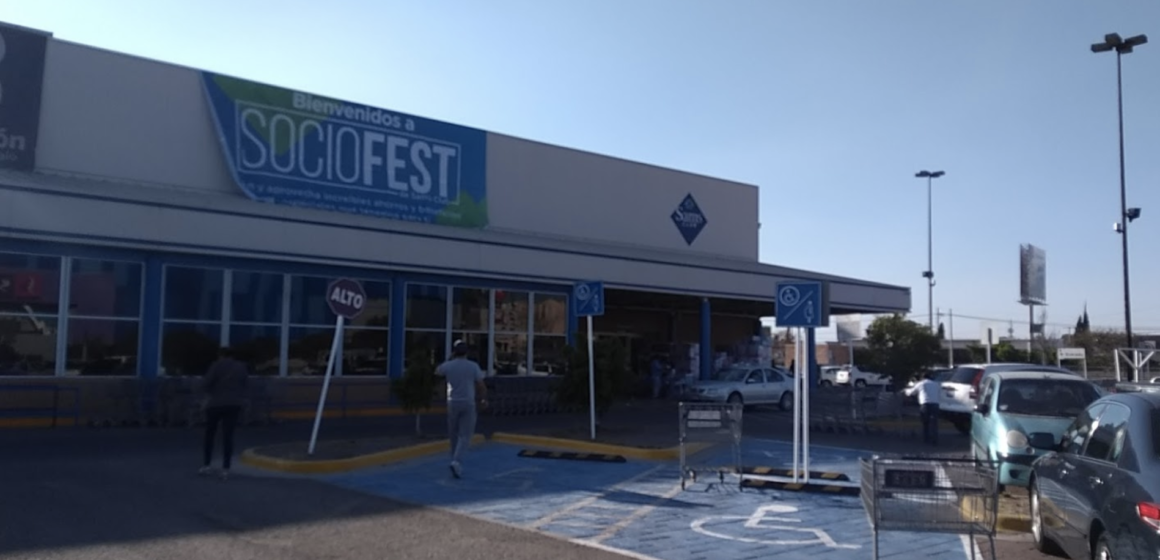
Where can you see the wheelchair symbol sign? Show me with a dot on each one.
(767, 525)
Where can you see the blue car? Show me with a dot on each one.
(1021, 415)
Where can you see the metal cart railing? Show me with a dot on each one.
(931, 495)
(714, 425)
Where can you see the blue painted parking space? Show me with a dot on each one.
(639, 506)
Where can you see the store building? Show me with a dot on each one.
(150, 213)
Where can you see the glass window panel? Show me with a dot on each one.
(548, 355)
(193, 293)
(189, 348)
(470, 310)
(102, 347)
(27, 345)
(429, 344)
(377, 312)
(309, 350)
(476, 346)
(29, 283)
(257, 345)
(551, 314)
(511, 311)
(511, 354)
(364, 351)
(308, 302)
(105, 288)
(255, 297)
(426, 306)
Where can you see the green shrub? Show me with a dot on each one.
(611, 374)
(415, 391)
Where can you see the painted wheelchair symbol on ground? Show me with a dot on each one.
(767, 525)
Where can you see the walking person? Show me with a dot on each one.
(928, 405)
(464, 385)
(225, 387)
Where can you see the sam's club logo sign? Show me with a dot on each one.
(689, 219)
(298, 149)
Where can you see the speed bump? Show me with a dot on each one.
(788, 473)
(572, 456)
(810, 487)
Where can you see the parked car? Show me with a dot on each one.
(1097, 493)
(748, 386)
(828, 376)
(1017, 405)
(960, 392)
(860, 378)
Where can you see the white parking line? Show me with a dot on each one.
(639, 513)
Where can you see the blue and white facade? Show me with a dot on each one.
(150, 213)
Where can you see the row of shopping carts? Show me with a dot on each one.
(853, 411)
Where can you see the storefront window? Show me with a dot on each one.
(105, 289)
(364, 351)
(259, 346)
(309, 350)
(511, 354)
(189, 348)
(256, 297)
(551, 314)
(511, 311)
(429, 345)
(470, 310)
(476, 346)
(426, 307)
(29, 284)
(548, 355)
(102, 347)
(27, 345)
(193, 294)
(308, 302)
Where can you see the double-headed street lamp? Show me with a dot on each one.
(929, 272)
(1113, 41)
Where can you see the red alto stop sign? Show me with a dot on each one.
(346, 298)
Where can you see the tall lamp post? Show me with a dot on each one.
(1113, 42)
(929, 272)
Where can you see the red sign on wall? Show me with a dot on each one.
(21, 286)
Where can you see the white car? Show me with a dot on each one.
(960, 393)
(858, 378)
(747, 386)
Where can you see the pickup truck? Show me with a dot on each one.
(851, 375)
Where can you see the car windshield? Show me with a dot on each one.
(1046, 397)
(733, 374)
(964, 375)
(944, 375)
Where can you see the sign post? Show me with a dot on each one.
(590, 303)
(346, 299)
(803, 306)
(1072, 354)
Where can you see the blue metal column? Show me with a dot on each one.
(706, 340)
(573, 321)
(150, 357)
(812, 357)
(396, 347)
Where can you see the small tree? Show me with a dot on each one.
(611, 375)
(901, 348)
(416, 389)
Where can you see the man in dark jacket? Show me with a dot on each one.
(225, 393)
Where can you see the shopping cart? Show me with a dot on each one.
(711, 425)
(933, 495)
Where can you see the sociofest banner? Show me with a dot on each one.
(294, 148)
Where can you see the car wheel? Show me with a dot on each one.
(1042, 543)
(859, 383)
(786, 402)
(735, 398)
(963, 426)
(826, 383)
(1103, 550)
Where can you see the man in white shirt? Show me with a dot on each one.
(464, 386)
(928, 394)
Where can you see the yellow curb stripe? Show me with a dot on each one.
(254, 458)
(667, 454)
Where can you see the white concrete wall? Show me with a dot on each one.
(135, 120)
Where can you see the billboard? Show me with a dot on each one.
(1032, 275)
(298, 149)
(22, 53)
(849, 329)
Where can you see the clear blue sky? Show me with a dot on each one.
(830, 106)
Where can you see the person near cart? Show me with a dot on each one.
(928, 404)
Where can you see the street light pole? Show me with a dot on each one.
(929, 272)
(1113, 41)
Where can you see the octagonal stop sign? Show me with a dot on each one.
(346, 298)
